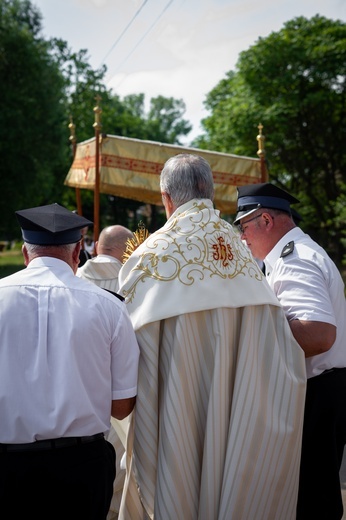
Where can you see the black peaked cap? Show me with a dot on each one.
(264, 195)
(51, 225)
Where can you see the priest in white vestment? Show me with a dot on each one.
(216, 430)
(103, 269)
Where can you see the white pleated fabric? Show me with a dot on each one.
(216, 431)
(117, 437)
(102, 270)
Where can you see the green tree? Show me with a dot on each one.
(294, 83)
(42, 84)
(164, 120)
(31, 90)
(82, 86)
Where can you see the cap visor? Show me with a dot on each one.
(242, 214)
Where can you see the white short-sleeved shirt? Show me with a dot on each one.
(309, 287)
(67, 349)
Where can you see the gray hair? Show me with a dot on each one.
(185, 177)
(36, 249)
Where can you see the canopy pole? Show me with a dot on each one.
(73, 141)
(261, 153)
(97, 126)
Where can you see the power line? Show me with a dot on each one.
(124, 31)
(140, 41)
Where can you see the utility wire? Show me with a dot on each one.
(124, 31)
(140, 41)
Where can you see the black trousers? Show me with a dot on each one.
(324, 437)
(68, 483)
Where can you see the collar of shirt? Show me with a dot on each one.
(48, 261)
(105, 258)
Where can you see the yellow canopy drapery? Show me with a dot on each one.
(130, 168)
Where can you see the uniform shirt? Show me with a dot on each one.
(309, 287)
(103, 270)
(67, 349)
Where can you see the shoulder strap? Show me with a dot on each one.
(288, 249)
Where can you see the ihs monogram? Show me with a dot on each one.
(222, 252)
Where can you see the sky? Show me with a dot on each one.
(173, 48)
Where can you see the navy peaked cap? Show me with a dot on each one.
(51, 225)
(265, 195)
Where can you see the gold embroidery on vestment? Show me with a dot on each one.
(202, 248)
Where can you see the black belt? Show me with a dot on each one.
(50, 444)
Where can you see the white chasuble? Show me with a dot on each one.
(216, 430)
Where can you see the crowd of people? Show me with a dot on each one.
(201, 377)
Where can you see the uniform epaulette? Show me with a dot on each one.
(288, 249)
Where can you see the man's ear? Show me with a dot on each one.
(168, 204)
(25, 254)
(268, 219)
(75, 253)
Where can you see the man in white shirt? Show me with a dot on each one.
(68, 361)
(310, 289)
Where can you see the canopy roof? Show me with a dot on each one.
(131, 168)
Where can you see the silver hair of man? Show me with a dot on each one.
(37, 249)
(185, 177)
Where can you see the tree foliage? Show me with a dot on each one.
(43, 83)
(294, 83)
(31, 112)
